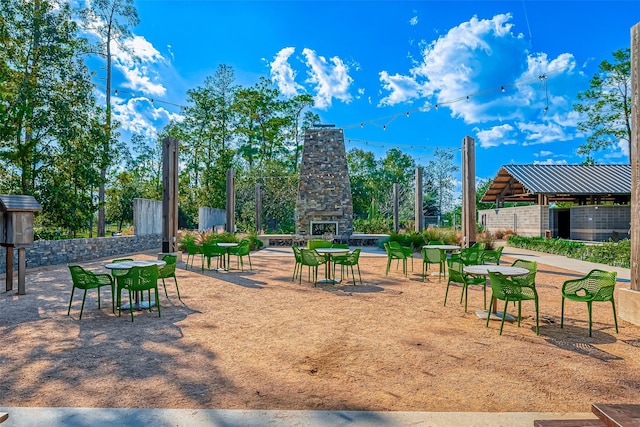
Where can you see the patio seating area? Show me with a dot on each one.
(256, 339)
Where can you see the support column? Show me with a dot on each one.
(468, 191)
(22, 269)
(169, 195)
(258, 207)
(419, 214)
(230, 224)
(396, 221)
(9, 264)
(629, 299)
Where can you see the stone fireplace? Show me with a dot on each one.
(324, 206)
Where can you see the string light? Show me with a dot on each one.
(502, 89)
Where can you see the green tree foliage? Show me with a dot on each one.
(48, 129)
(111, 21)
(607, 106)
(441, 183)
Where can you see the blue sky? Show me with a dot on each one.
(378, 69)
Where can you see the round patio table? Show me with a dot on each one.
(226, 246)
(483, 270)
(125, 265)
(328, 252)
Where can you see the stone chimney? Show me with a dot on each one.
(324, 206)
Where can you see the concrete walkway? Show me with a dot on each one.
(125, 417)
(103, 417)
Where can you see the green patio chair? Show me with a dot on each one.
(598, 286)
(297, 268)
(242, 250)
(212, 250)
(349, 260)
(311, 259)
(192, 251)
(168, 271)
(508, 289)
(397, 254)
(408, 251)
(435, 242)
(457, 275)
(491, 255)
(139, 279)
(432, 256)
(85, 280)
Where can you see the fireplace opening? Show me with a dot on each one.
(320, 228)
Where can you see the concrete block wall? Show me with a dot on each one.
(527, 221)
(52, 252)
(147, 217)
(600, 223)
(209, 218)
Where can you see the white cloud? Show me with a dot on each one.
(413, 21)
(543, 153)
(466, 67)
(283, 75)
(139, 115)
(496, 136)
(550, 162)
(542, 133)
(331, 78)
(402, 88)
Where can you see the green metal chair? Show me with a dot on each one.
(491, 255)
(318, 243)
(297, 268)
(192, 251)
(508, 289)
(168, 271)
(212, 250)
(397, 254)
(311, 259)
(469, 256)
(435, 242)
(408, 251)
(457, 275)
(139, 279)
(349, 260)
(432, 256)
(85, 279)
(242, 250)
(598, 286)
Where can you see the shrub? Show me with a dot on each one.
(372, 226)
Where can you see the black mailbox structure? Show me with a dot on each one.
(16, 231)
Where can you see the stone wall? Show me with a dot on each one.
(324, 193)
(51, 252)
(524, 220)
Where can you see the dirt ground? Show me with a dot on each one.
(257, 340)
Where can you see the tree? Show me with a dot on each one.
(607, 106)
(110, 20)
(439, 173)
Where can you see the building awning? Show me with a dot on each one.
(572, 183)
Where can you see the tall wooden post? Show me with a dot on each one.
(396, 221)
(418, 208)
(468, 191)
(231, 202)
(258, 207)
(9, 265)
(169, 195)
(634, 159)
(629, 298)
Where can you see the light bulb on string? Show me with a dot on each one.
(384, 127)
(502, 89)
(436, 107)
(407, 114)
(116, 92)
(361, 125)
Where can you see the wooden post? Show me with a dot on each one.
(258, 207)
(9, 264)
(231, 201)
(169, 195)
(396, 221)
(634, 159)
(468, 191)
(22, 269)
(418, 209)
